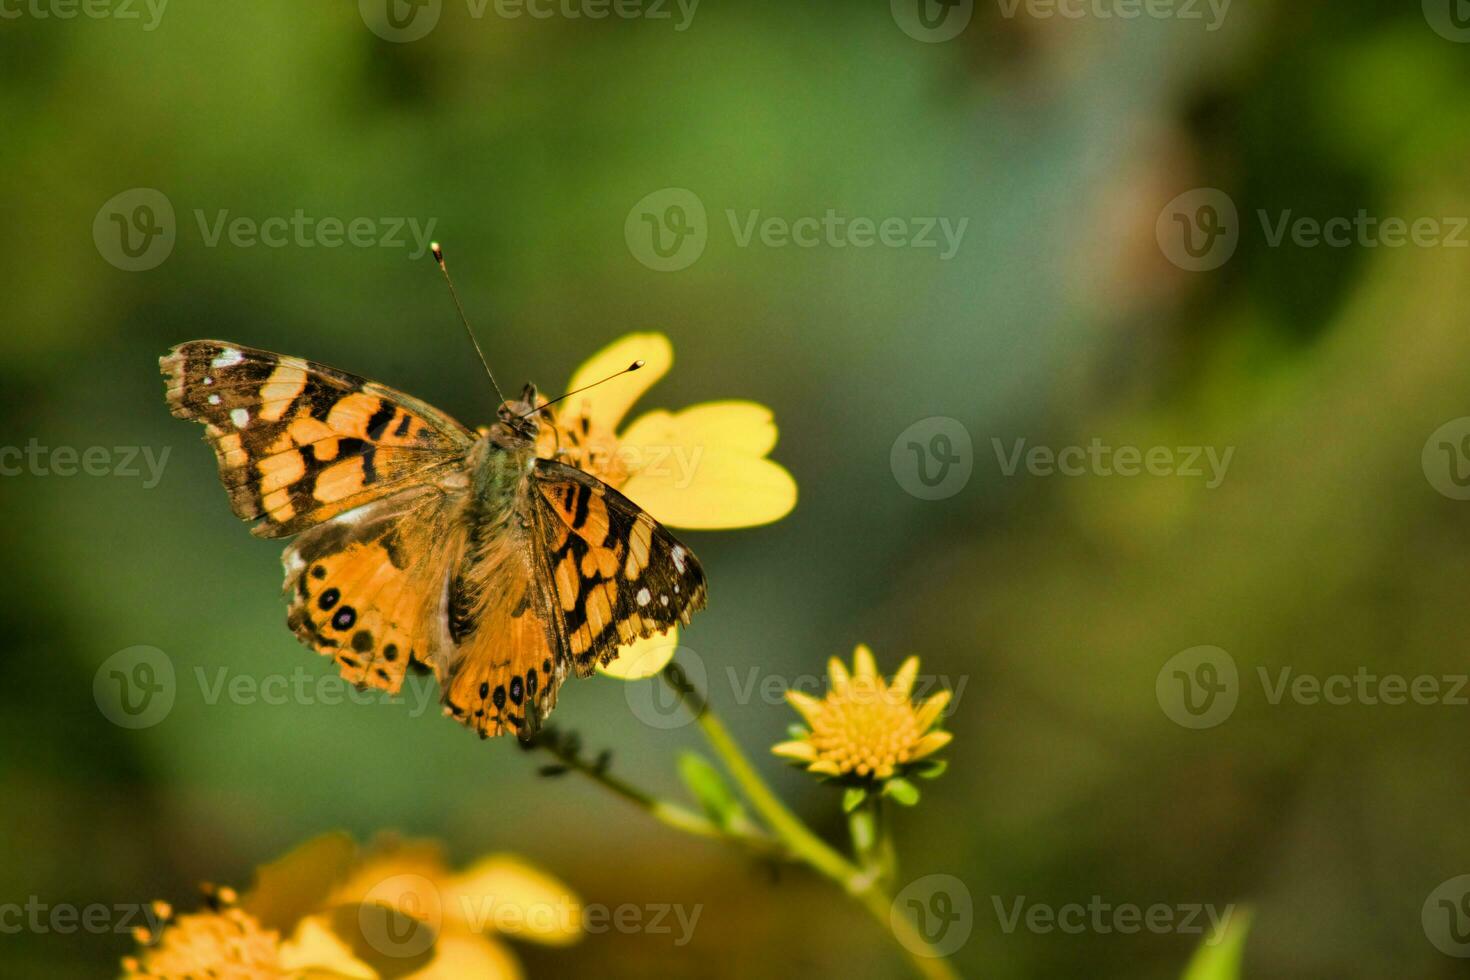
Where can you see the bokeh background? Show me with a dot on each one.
(1051, 604)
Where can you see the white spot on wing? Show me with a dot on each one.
(643, 596)
(678, 555)
(240, 417)
(214, 399)
(227, 357)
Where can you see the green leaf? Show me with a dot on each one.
(709, 788)
(901, 791)
(931, 768)
(853, 798)
(797, 732)
(1218, 958)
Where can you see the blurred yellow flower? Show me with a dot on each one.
(703, 468)
(325, 910)
(865, 727)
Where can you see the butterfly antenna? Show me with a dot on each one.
(575, 391)
(439, 257)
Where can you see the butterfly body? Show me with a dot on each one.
(424, 542)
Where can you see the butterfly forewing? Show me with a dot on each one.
(298, 442)
(618, 574)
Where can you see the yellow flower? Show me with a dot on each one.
(865, 727)
(397, 910)
(703, 468)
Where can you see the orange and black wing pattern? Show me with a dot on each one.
(618, 574)
(299, 442)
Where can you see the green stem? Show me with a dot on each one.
(803, 843)
(670, 814)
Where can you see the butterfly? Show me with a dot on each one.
(425, 543)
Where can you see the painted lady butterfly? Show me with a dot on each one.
(423, 542)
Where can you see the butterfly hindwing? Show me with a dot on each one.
(299, 442)
(366, 587)
(504, 663)
(618, 574)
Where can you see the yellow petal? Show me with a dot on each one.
(459, 956)
(705, 467)
(826, 767)
(903, 681)
(930, 743)
(810, 707)
(837, 671)
(402, 875)
(643, 658)
(505, 894)
(314, 946)
(931, 709)
(862, 662)
(605, 405)
(798, 749)
(293, 886)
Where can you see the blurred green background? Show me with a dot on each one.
(1055, 601)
